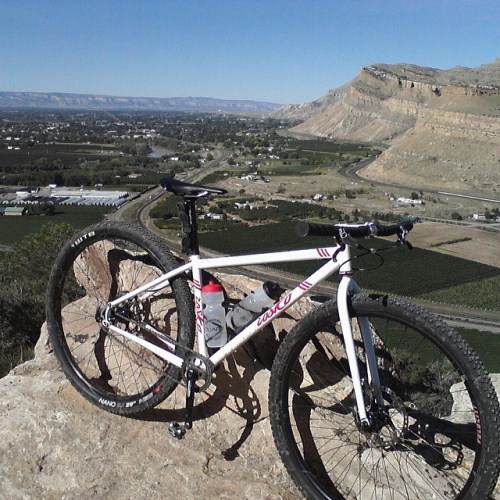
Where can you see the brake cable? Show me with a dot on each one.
(346, 239)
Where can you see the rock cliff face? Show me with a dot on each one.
(309, 109)
(443, 127)
(452, 151)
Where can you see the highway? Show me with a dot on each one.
(351, 172)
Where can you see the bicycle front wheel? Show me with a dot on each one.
(436, 434)
(100, 264)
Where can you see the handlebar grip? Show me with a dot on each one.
(309, 229)
(394, 228)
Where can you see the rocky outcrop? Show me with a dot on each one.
(484, 78)
(56, 445)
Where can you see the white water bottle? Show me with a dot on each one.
(214, 315)
(254, 303)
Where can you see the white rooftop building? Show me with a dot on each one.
(87, 193)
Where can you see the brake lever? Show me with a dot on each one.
(403, 233)
(348, 240)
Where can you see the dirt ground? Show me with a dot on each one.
(483, 247)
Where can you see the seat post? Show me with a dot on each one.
(187, 214)
(194, 246)
(187, 209)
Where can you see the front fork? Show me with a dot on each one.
(347, 288)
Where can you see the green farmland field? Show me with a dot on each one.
(415, 273)
(13, 229)
(66, 154)
(486, 345)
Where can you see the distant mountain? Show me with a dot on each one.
(442, 126)
(383, 101)
(53, 100)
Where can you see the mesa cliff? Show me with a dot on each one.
(65, 101)
(441, 127)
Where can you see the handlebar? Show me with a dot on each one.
(354, 230)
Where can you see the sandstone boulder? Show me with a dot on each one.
(55, 445)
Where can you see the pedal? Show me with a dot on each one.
(176, 430)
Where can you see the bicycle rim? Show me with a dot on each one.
(426, 440)
(113, 372)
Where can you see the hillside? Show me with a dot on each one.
(51, 100)
(442, 126)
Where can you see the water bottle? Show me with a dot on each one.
(254, 303)
(214, 314)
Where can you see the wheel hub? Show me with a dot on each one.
(388, 423)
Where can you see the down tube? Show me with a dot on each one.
(276, 310)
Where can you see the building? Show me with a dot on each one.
(410, 201)
(68, 196)
(14, 211)
(242, 206)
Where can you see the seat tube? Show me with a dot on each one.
(198, 305)
(194, 246)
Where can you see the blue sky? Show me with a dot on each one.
(288, 51)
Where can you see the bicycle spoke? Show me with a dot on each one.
(418, 445)
(112, 371)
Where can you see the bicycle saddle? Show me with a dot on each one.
(181, 188)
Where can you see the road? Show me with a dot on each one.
(351, 172)
(137, 208)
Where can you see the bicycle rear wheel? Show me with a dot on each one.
(97, 265)
(437, 434)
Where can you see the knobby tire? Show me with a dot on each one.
(99, 264)
(437, 435)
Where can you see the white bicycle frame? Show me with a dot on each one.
(339, 260)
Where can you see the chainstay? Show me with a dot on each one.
(189, 354)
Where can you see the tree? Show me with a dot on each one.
(48, 208)
(23, 280)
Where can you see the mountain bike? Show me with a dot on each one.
(370, 396)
